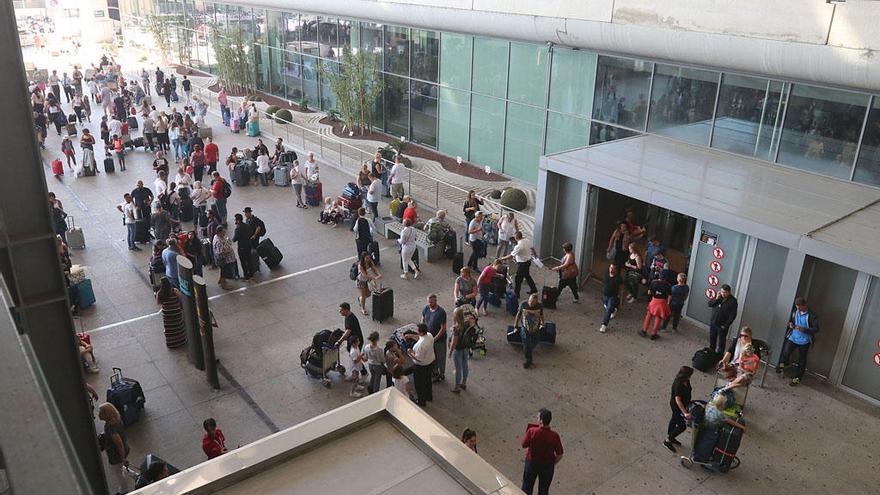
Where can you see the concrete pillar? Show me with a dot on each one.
(29, 265)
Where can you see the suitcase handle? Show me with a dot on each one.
(71, 224)
(116, 377)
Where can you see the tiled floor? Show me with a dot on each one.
(609, 393)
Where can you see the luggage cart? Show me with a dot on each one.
(329, 362)
(724, 441)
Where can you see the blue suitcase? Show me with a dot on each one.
(86, 294)
(253, 129)
(513, 335)
(511, 302)
(548, 332)
(127, 397)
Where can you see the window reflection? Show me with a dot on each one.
(622, 87)
(603, 133)
(425, 56)
(681, 103)
(738, 118)
(821, 130)
(424, 113)
(397, 50)
(868, 166)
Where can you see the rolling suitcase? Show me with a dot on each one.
(726, 447)
(548, 333)
(187, 211)
(132, 122)
(383, 304)
(109, 165)
(513, 335)
(549, 296)
(71, 129)
(240, 175)
(253, 129)
(373, 249)
(457, 262)
(233, 126)
(511, 303)
(86, 294)
(88, 170)
(142, 231)
(75, 237)
(450, 244)
(314, 194)
(71, 119)
(270, 253)
(208, 252)
(127, 396)
(282, 176)
(57, 167)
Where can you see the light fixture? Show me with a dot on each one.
(836, 2)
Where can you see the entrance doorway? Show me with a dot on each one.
(674, 230)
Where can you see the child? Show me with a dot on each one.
(213, 443)
(357, 367)
(679, 294)
(401, 382)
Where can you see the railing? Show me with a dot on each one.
(428, 192)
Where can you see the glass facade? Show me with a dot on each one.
(505, 103)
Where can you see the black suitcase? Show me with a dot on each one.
(127, 396)
(187, 211)
(726, 447)
(142, 231)
(450, 245)
(373, 249)
(457, 263)
(705, 359)
(383, 304)
(270, 253)
(132, 122)
(208, 252)
(71, 119)
(138, 142)
(549, 296)
(241, 176)
(109, 165)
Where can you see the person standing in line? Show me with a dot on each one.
(375, 356)
(423, 358)
(212, 155)
(55, 83)
(434, 317)
(297, 180)
(471, 207)
(258, 227)
(242, 235)
(680, 397)
(115, 446)
(724, 308)
(407, 243)
(174, 138)
(610, 295)
(508, 226)
(475, 237)
(544, 452)
(568, 271)
(224, 255)
(169, 257)
(373, 191)
(149, 133)
(187, 89)
(214, 442)
(803, 325)
(172, 313)
(529, 320)
(129, 215)
(680, 293)
(397, 177)
(218, 190)
(522, 254)
(263, 167)
(362, 232)
(459, 348)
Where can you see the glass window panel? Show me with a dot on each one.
(771, 125)
(861, 369)
(454, 111)
(423, 97)
(396, 106)
(490, 66)
(426, 52)
(821, 130)
(275, 24)
(741, 103)
(371, 39)
(328, 99)
(487, 131)
(622, 87)
(293, 75)
(308, 34)
(290, 33)
(397, 50)
(528, 73)
(602, 133)
(261, 63)
(310, 81)
(455, 60)
(682, 100)
(565, 132)
(344, 33)
(868, 166)
(327, 40)
(276, 79)
(522, 143)
(572, 78)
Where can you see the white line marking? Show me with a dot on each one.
(240, 289)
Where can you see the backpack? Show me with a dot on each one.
(227, 189)
(353, 271)
(392, 207)
(469, 336)
(435, 232)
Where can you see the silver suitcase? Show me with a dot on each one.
(75, 237)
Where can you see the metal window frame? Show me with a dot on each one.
(715, 109)
(782, 123)
(547, 98)
(852, 172)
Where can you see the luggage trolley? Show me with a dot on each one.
(322, 357)
(717, 448)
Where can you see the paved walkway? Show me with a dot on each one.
(609, 392)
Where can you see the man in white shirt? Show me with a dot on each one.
(475, 237)
(507, 228)
(312, 170)
(160, 187)
(115, 126)
(522, 254)
(373, 192)
(129, 213)
(263, 167)
(398, 177)
(423, 357)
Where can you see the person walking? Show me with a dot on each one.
(364, 278)
(129, 216)
(658, 307)
(507, 228)
(475, 237)
(724, 308)
(632, 276)
(529, 320)
(679, 294)
(115, 446)
(172, 313)
(242, 236)
(224, 256)
(678, 402)
(522, 254)
(544, 451)
(375, 362)
(611, 285)
(67, 150)
(422, 354)
(434, 317)
(803, 325)
(459, 348)
(407, 243)
(568, 271)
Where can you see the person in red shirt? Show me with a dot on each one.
(212, 155)
(410, 212)
(214, 443)
(218, 185)
(544, 451)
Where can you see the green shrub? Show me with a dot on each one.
(333, 114)
(304, 104)
(283, 116)
(495, 194)
(514, 198)
(271, 109)
(254, 97)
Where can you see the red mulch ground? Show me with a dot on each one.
(449, 163)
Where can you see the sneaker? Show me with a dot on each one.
(463, 386)
(403, 276)
(603, 329)
(669, 445)
(676, 442)
(795, 381)
(456, 390)
(613, 314)
(643, 333)
(780, 369)
(576, 301)
(655, 336)
(630, 299)
(418, 272)
(356, 395)
(527, 365)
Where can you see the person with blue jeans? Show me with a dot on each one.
(129, 212)
(679, 294)
(459, 348)
(610, 295)
(529, 319)
(803, 325)
(218, 186)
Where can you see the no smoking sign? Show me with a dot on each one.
(713, 280)
(715, 266)
(718, 253)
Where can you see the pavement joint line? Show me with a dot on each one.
(238, 290)
(246, 397)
